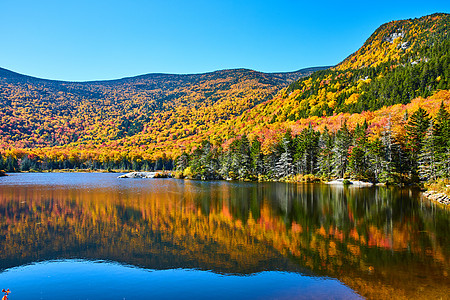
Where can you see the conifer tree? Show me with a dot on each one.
(375, 160)
(416, 129)
(441, 141)
(284, 166)
(358, 159)
(387, 162)
(306, 151)
(341, 147)
(256, 157)
(427, 164)
(325, 155)
(182, 162)
(244, 158)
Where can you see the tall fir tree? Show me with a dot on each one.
(416, 129)
(325, 155)
(257, 165)
(342, 144)
(284, 167)
(427, 163)
(441, 141)
(358, 159)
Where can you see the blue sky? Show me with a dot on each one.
(91, 40)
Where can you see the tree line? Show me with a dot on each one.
(11, 162)
(423, 154)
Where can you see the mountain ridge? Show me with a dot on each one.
(13, 74)
(38, 112)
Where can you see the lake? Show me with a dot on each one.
(93, 236)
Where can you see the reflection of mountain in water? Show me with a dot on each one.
(377, 241)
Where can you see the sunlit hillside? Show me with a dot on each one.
(125, 122)
(402, 60)
(399, 41)
(159, 107)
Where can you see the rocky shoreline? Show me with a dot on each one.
(437, 197)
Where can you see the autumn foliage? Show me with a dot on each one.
(146, 122)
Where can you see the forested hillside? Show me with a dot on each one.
(380, 115)
(402, 60)
(37, 113)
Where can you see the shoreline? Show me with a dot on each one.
(437, 197)
(431, 195)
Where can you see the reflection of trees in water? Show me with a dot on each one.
(361, 236)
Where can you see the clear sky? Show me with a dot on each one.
(107, 39)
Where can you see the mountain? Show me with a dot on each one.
(147, 117)
(399, 42)
(401, 61)
(38, 112)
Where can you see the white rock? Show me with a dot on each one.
(138, 175)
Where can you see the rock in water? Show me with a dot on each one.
(138, 175)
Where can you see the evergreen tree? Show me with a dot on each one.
(2, 163)
(358, 159)
(387, 163)
(427, 164)
(416, 128)
(341, 147)
(376, 160)
(257, 166)
(25, 164)
(306, 151)
(244, 158)
(182, 162)
(284, 166)
(325, 155)
(441, 141)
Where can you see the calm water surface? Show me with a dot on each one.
(93, 236)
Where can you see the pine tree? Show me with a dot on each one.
(358, 159)
(341, 147)
(284, 166)
(244, 158)
(233, 161)
(205, 160)
(416, 129)
(427, 164)
(375, 160)
(311, 149)
(306, 151)
(387, 163)
(441, 141)
(325, 155)
(256, 157)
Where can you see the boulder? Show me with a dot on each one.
(342, 181)
(138, 175)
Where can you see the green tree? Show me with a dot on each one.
(416, 130)
(341, 147)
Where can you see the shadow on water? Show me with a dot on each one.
(382, 242)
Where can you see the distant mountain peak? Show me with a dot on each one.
(399, 41)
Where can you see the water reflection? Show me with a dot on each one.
(382, 242)
(104, 280)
